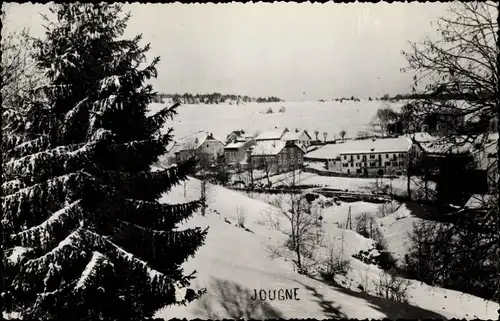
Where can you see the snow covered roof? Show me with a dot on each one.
(272, 134)
(236, 145)
(293, 135)
(268, 147)
(193, 141)
(363, 146)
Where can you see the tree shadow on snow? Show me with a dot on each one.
(227, 299)
(391, 309)
(329, 308)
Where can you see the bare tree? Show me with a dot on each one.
(316, 133)
(342, 134)
(384, 116)
(325, 134)
(461, 77)
(18, 71)
(303, 224)
(265, 163)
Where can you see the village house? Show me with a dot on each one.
(277, 156)
(297, 136)
(239, 136)
(197, 144)
(367, 157)
(271, 135)
(235, 153)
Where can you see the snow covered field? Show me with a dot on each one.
(234, 262)
(222, 119)
(351, 184)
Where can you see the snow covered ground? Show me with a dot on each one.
(234, 262)
(351, 184)
(329, 116)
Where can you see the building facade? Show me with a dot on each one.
(198, 144)
(368, 157)
(277, 156)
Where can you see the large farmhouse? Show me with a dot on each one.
(366, 157)
(276, 156)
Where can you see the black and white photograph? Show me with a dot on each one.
(250, 160)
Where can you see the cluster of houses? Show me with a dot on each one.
(276, 150)
(281, 150)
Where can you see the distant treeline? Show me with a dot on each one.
(442, 94)
(215, 98)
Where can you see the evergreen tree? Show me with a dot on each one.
(84, 236)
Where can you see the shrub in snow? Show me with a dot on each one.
(282, 109)
(334, 265)
(98, 244)
(392, 287)
(388, 208)
(241, 216)
(269, 110)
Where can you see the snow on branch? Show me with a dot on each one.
(91, 269)
(160, 117)
(107, 83)
(156, 215)
(61, 252)
(11, 187)
(55, 192)
(40, 235)
(27, 148)
(34, 166)
(149, 183)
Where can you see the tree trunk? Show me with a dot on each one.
(408, 180)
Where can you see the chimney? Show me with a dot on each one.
(296, 130)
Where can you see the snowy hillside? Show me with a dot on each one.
(222, 119)
(234, 262)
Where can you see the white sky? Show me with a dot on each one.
(293, 51)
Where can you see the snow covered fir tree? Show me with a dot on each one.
(84, 234)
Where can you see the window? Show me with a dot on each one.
(291, 161)
(284, 162)
(279, 161)
(279, 157)
(372, 163)
(357, 157)
(299, 161)
(345, 157)
(352, 158)
(386, 155)
(372, 156)
(387, 163)
(401, 163)
(207, 145)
